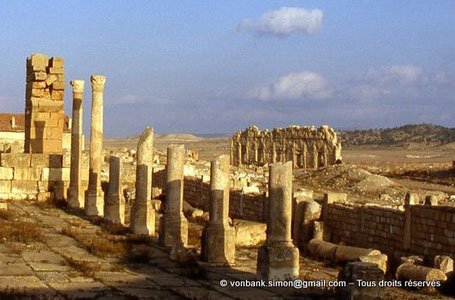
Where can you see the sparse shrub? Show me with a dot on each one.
(18, 231)
(82, 266)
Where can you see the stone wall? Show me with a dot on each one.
(431, 231)
(306, 147)
(44, 118)
(35, 176)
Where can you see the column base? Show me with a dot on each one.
(94, 203)
(75, 198)
(143, 219)
(218, 244)
(114, 209)
(173, 230)
(278, 262)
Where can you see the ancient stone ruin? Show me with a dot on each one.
(282, 229)
(306, 147)
(44, 116)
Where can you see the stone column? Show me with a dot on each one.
(218, 237)
(278, 258)
(315, 156)
(114, 209)
(304, 156)
(255, 149)
(142, 212)
(273, 152)
(174, 227)
(75, 192)
(94, 200)
(239, 153)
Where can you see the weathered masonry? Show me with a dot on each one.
(44, 118)
(307, 147)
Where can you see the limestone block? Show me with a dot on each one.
(38, 76)
(37, 59)
(37, 68)
(55, 174)
(443, 263)
(27, 174)
(46, 160)
(45, 186)
(303, 193)
(249, 234)
(18, 196)
(3, 206)
(278, 262)
(57, 94)
(51, 79)
(24, 186)
(58, 85)
(44, 196)
(332, 197)
(56, 62)
(6, 173)
(379, 260)
(18, 160)
(5, 186)
(66, 160)
(38, 84)
(55, 70)
(250, 190)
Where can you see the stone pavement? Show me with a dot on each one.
(61, 267)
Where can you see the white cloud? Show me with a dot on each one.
(395, 74)
(284, 21)
(301, 86)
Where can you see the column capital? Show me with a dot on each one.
(98, 82)
(77, 85)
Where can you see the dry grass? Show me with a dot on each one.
(98, 245)
(82, 266)
(13, 230)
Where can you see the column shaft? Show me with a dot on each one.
(75, 193)
(174, 229)
(94, 201)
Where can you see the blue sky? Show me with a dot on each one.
(219, 66)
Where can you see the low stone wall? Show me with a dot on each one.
(430, 229)
(35, 176)
(197, 193)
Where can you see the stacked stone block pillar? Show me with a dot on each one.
(115, 204)
(174, 229)
(75, 192)
(94, 199)
(44, 118)
(218, 237)
(278, 258)
(142, 212)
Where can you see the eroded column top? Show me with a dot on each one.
(145, 147)
(78, 86)
(98, 82)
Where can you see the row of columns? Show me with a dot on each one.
(278, 258)
(93, 202)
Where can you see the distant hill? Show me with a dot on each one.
(404, 136)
